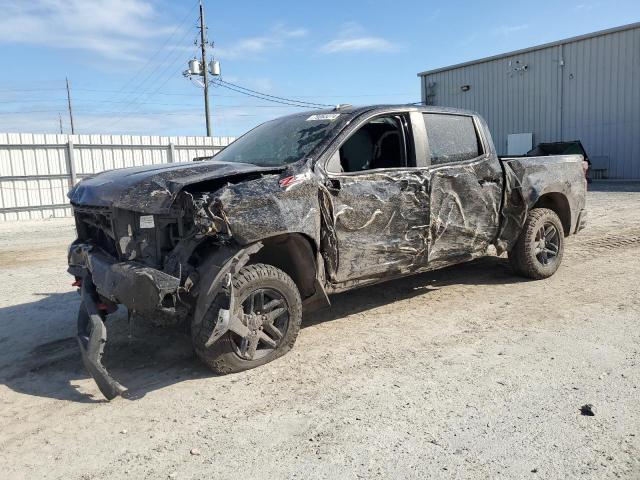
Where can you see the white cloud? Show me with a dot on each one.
(374, 44)
(113, 29)
(506, 30)
(353, 38)
(586, 7)
(250, 47)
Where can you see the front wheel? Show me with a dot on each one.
(269, 304)
(538, 252)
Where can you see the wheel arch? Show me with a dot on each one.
(558, 203)
(295, 254)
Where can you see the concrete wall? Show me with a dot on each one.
(593, 97)
(37, 170)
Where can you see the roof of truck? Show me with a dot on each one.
(360, 109)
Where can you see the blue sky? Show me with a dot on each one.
(124, 57)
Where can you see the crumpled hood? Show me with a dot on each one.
(153, 188)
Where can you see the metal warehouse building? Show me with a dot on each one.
(584, 88)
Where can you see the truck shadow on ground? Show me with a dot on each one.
(157, 357)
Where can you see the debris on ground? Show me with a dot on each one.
(587, 410)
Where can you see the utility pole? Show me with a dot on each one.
(205, 68)
(60, 120)
(200, 68)
(73, 130)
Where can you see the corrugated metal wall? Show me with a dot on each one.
(594, 97)
(36, 170)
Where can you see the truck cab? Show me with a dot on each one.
(432, 175)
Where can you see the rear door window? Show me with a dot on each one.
(452, 138)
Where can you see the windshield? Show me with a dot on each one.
(279, 142)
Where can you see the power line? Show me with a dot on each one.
(128, 82)
(150, 59)
(30, 89)
(76, 89)
(176, 104)
(135, 99)
(164, 44)
(225, 83)
(97, 112)
(137, 93)
(137, 113)
(395, 94)
(150, 75)
(36, 100)
(266, 99)
(131, 97)
(29, 111)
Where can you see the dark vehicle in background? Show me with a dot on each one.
(302, 207)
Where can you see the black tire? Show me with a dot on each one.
(224, 356)
(527, 257)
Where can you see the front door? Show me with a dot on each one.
(379, 202)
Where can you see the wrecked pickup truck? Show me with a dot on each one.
(302, 207)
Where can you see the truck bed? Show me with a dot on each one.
(534, 181)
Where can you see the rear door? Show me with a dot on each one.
(466, 185)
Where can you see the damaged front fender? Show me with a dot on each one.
(218, 272)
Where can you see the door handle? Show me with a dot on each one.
(482, 181)
(333, 184)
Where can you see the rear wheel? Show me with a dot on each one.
(538, 252)
(269, 304)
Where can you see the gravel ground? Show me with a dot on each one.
(468, 372)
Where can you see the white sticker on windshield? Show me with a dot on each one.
(146, 221)
(323, 116)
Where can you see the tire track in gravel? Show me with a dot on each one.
(624, 239)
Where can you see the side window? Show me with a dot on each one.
(452, 138)
(377, 144)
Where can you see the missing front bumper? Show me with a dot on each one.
(140, 288)
(92, 336)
